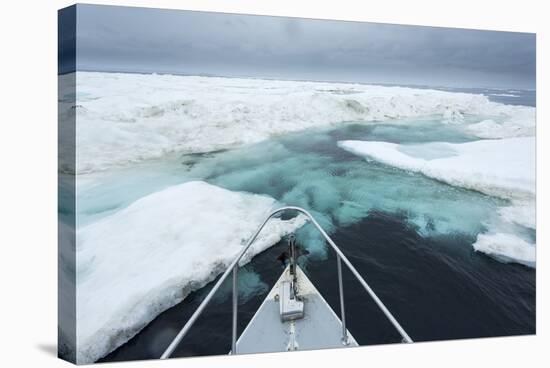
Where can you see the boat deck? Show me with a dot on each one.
(320, 328)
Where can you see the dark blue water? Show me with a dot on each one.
(525, 97)
(437, 288)
(508, 96)
(409, 236)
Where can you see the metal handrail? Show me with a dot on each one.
(234, 266)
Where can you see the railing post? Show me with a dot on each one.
(342, 308)
(235, 303)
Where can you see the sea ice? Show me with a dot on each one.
(503, 168)
(125, 118)
(143, 259)
(506, 247)
(508, 129)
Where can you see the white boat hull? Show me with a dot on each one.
(320, 328)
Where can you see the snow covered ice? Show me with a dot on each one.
(503, 168)
(124, 118)
(142, 260)
(506, 247)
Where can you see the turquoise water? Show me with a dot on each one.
(307, 169)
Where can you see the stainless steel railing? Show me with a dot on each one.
(234, 267)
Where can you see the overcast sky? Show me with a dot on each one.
(175, 41)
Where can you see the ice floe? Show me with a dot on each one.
(506, 247)
(141, 260)
(507, 129)
(503, 168)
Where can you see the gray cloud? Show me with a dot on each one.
(173, 41)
